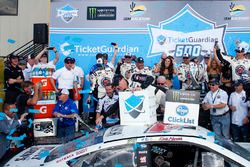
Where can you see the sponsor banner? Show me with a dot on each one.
(138, 107)
(45, 127)
(183, 96)
(181, 114)
(101, 13)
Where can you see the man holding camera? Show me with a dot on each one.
(125, 65)
(41, 60)
(216, 102)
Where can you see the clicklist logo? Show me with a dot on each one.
(101, 13)
(181, 111)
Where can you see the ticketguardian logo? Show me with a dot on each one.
(67, 13)
(195, 38)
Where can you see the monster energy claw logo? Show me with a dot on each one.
(92, 13)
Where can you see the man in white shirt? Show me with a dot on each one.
(65, 78)
(216, 102)
(27, 72)
(239, 107)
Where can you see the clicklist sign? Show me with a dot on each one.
(181, 113)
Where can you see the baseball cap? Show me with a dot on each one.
(128, 55)
(238, 82)
(13, 56)
(73, 60)
(140, 60)
(63, 91)
(214, 81)
(186, 55)
(68, 59)
(242, 47)
(22, 63)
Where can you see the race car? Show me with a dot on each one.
(157, 145)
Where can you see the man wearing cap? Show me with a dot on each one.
(66, 111)
(125, 65)
(139, 69)
(65, 78)
(239, 108)
(187, 72)
(13, 77)
(216, 101)
(239, 64)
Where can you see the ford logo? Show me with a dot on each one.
(182, 110)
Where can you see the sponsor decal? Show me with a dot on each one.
(134, 105)
(180, 120)
(182, 110)
(236, 11)
(170, 138)
(239, 70)
(101, 13)
(136, 11)
(43, 109)
(189, 39)
(67, 13)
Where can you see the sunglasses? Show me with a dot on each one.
(160, 83)
(185, 57)
(212, 84)
(69, 62)
(127, 57)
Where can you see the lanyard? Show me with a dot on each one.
(213, 99)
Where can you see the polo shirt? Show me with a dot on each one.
(65, 78)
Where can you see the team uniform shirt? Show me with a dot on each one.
(146, 70)
(104, 104)
(238, 100)
(66, 108)
(27, 72)
(11, 72)
(218, 97)
(239, 67)
(78, 72)
(126, 69)
(65, 78)
(100, 78)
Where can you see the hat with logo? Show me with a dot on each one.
(22, 63)
(63, 91)
(140, 60)
(214, 81)
(242, 47)
(186, 55)
(68, 59)
(128, 55)
(238, 82)
(13, 56)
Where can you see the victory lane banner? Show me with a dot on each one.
(182, 108)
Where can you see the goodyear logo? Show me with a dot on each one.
(67, 13)
(182, 110)
(137, 10)
(101, 13)
(236, 10)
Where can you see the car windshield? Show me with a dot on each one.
(228, 144)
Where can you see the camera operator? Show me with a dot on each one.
(41, 60)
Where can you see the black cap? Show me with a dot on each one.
(186, 55)
(214, 81)
(105, 56)
(238, 82)
(140, 60)
(128, 55)
(73, 60)
(44, 55)
(13, 56)
(68, 59)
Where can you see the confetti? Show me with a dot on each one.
(210, 134)
(33, 111)
(118, 165)
(86, 91)
(1, 100)
(13, 110)
(11, 41)
(43, 154)
(30, 123)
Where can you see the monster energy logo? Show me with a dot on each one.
(176, 96)
(92, 13)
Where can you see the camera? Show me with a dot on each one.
(99, 61)
(50, 48)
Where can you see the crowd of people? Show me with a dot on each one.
(223, 80)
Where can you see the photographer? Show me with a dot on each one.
(125, 65)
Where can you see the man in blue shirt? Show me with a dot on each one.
(65, 110)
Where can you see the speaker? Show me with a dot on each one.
(40, 33)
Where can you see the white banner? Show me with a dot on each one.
(138, 107)
(181, 113)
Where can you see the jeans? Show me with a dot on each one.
(66, 133)
(221, 125)
(240, 133)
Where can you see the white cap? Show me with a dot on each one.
(65, 91)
